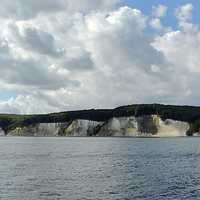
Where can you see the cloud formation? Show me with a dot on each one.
(64, 55)
(159, 11)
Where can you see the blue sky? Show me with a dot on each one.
(5, 95)
(146, 7)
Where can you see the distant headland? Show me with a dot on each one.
(145, 120)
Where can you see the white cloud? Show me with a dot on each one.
(184, 13)
(156, 24)
(181, 49)
(155, 68)
(27, 9)
(25, 104)
(159, 11)
(184, 16)
(31, 38)
(95, 56)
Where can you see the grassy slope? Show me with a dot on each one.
(188, 114)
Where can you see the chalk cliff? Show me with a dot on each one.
(41, 129)
(151, 125)
(144, 126)
(2, 133)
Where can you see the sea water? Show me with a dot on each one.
(99, 168)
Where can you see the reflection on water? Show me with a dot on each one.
(99, 168)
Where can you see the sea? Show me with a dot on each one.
(55, 168)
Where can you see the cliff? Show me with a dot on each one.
(144, 126)
(133, 120)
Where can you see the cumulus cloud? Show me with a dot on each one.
(156, 24)
(181, 49)
(26, 104)
(159, 11)
(33, 39)
(66, 55)
(27, 9)
(184, 13)
(81, 63)
(32, 73)
(24, 9)
(184, 16)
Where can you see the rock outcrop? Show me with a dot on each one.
(43, 129)
(147, 126)
(82, 128)
(2, 133)
(143, 126)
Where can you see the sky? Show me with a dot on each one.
(68, 55)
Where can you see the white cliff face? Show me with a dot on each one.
(122, 126)
(171, 128)
(48, 129)
(75, 128)
(2, 133)
(82, 128)
(147, 126)
(45, 129)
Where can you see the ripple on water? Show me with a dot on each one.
(99, 168)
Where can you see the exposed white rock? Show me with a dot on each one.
(197, 134)
(2, 133)
(171, 128)
(48, 129)
(43, 129)
(75, 128)
(82, 128)
(149, 125)
(122, 126)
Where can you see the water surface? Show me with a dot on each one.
(99, 168)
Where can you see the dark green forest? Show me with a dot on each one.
(190, 114)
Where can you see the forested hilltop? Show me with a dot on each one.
(190, 114)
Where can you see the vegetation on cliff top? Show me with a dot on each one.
(190, 114)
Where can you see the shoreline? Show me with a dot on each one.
(142, 137)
